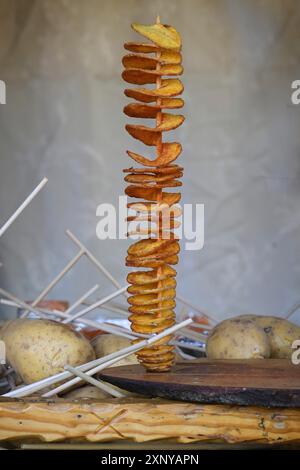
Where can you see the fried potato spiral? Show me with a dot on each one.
(152, 292)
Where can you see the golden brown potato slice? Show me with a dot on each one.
(147, 247)
(152, 287)
(148, 277)
(144, 178)
(170, 248)
(152, 135)
(143, 61)
(155, 208)
(169, 87)
(146, 352)
(151, 194)
(140, 47)
(167, 184)
(159, 359)
(151, 329)
(165, 305)
(154, 319)
(144, 77)
(151, 299)
(172, 170)
(164, 36)
(171, 103)
(140, 62)
(146, 263)
(170, 57)
(139, 110)
(169, 152)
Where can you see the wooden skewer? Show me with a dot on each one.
(104, 361)
(44, 313)
(197, 309)
(9, 303)
(202, 326)
(22, 206)
(188, 346)
(184, 355)
(82, 299)
(115, 309)
(19, 303)
(95, 305)
(55, 281)
(107, 327)
(193, 335)
(94, 260)
(96, 383)
(292, 310)
(90, 372)
(104, 365)
(114, 281)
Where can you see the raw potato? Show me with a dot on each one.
(108, 344)
(39, 348)
(88, 392)
(238, 338)
(281, 334)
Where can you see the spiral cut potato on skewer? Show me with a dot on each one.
(152, 291)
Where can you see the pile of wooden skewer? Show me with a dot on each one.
(76, 314)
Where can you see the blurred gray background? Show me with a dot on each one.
(61, 60)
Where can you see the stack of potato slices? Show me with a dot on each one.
(153, 291)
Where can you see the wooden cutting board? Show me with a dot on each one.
(260, 382)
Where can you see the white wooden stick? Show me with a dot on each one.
(22, 206)
(95, 305)
(112, 308)
(82, 299)
(55, 280)
(193, 335)
(104, 326)
(96, 383)
(292, 310)
(107, 327)
(98, 368)
(188, 346)
(19, 303)
(109, 276)
(90, 372)
(107, 361)
(9, 303)
(184, 355)
(202, 326)
(44, 313)
(94, 260)
(197, 309)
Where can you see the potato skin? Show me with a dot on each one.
(86, 392)
(281, 333)
(237, 338)
(108, 344)
(38, 348)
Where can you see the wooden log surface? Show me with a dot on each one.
(142, 420)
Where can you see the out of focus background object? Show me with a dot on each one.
(60, 60)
